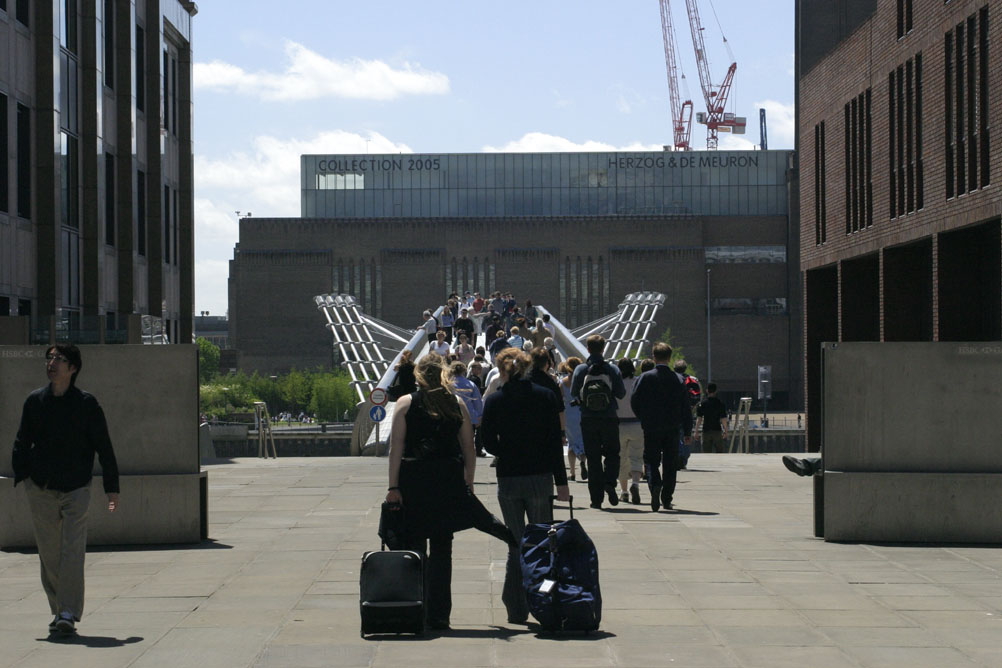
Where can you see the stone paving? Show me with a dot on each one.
(732, 577)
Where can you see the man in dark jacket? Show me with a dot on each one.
(660, 401)
(61, 429)
(599, 425)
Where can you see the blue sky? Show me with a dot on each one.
(439, 76)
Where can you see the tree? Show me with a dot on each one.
(295, 390)
(332, 395)
(208, 360)
(676, 353)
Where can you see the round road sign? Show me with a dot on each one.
(377, 396)
(377, 413)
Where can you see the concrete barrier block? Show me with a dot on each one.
(153, 509)
(913, 507)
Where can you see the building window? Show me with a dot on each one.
(166, 91)
(23, 161)
(173, 95)
(140, 69)
(69, 176)
(167, 235)
(141, 213)
(858, 161)
(109, 199)
(4, 153)
(340, 181)
(904, 17)
(966, 101)
(820, 211)
(745, 254)
(174, 222)
(71, 267)
(904, 98)
(21, 11)
(68, 25)
(109, 43)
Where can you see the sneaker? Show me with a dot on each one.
(656, 498)
(634, 494)
(65, 624)
(52, 624)
(613, 499)
(624, 497)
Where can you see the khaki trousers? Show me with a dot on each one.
(60, 523)
(713, 441)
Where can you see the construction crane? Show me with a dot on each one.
(681, 112)
(714, 118)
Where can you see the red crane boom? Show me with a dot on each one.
(715, 96)
(681, 112)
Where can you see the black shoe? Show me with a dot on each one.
(584, 471)
(798, 466)
(439, 625)
(656, 498)
(611, 492)
(597, 505)
(635, 494)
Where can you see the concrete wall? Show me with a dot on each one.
(911, 441)
(150, 398)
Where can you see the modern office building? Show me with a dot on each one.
(96, 166)
(575, 232)
(900, 223)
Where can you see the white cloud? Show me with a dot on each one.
(264, 181)
(310, 76)
(211, 290)
(540, 142)
(622, 105)
(780, 123)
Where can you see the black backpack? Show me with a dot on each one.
(596, 389)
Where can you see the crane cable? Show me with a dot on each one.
(730, 53)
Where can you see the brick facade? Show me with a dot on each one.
(898, 258)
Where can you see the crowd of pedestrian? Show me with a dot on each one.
(623, 421)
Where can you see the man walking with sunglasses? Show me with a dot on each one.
(62, 428)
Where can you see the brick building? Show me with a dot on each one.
(575, 232)
(900, 205)
(96, 167)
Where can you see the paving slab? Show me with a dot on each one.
(731, 578)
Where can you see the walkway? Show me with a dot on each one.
(733, 578)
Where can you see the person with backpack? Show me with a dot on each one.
(662, 404)
(597, 385)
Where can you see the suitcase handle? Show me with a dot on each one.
(570, 504)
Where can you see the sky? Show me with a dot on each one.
(273, 81)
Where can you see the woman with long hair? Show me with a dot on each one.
(521, 425)
(431, 467)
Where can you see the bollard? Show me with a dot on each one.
(819, 505)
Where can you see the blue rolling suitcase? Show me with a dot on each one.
(560, 576)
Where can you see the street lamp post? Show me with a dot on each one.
(709, 365)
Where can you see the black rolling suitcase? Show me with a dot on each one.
(560, 576)
(391, 592)
(391, 582)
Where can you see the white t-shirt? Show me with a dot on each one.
(442, 348)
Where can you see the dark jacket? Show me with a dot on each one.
(543, 379)
(660, 401)
(618, 389)
(521, 425)
(57, 441)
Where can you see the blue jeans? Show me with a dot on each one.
(521, 497)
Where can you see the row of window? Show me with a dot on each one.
(22, 170)
(21, 10)
(967, 153)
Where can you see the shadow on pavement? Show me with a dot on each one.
(204, 545)
(90, 641)
(680, 511)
